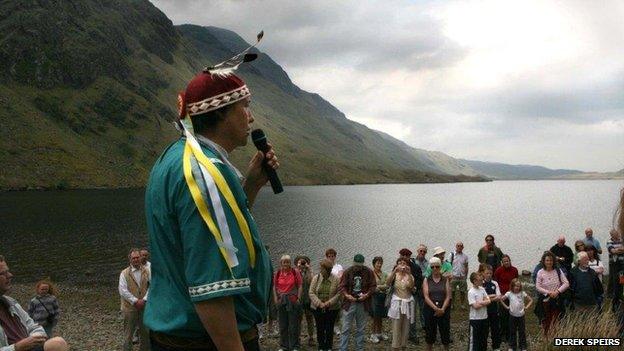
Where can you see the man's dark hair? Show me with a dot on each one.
(209, 120)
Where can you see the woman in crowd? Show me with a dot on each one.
(325, 304)
(503, 275)
(551, 282)
(287, 294)
(379, 310)
(303, 265)
(579, 246)
(437, 294)
(44, 308)
(594, 261)
(401, 309)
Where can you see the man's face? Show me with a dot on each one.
(589, 232)
(459, 247)
(561, 241)
(583, 261)
(237, 123)
(422, 253)
(144, 256)
(440, 256)
(5, 278)
(135, 259)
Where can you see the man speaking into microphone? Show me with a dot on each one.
(211, 273)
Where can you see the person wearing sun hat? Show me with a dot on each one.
(447, 268)
(357, 286)
(211, 274)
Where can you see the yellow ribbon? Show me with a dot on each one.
(225, 190)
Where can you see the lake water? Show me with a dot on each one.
(84, 235)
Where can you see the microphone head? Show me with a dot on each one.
(258, 137)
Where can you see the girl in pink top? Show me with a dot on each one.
(550, 283)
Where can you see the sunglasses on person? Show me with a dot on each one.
(435, 267)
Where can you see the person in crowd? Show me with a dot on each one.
(357, 286)
(490, 253)
(417, 274)
(579, 246)
(145, 256)
(494, 293)
(134, 283)
(44, 307)
(615, 248)
(551, 282)
(19, 332)
(594, 261)
(503, 275)
(271, 327)
(585, 286)
(287, 292)
(208, 259)
(402, 302)
(378, 308)
(423, 264)
(325, 304)
(516, 307)
(563, 253)
(331, 255)
(590, 240)
(478, 300)
(303, 265)
(437, 294)
(459, 285)
(337, 270)
(447, 268)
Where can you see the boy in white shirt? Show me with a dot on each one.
(478, 300)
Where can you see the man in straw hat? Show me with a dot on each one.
(211, 273)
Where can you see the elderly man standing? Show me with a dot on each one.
(133, 288)
(18, 332)
(459, 262)
(563, 253)
(585, 285)
(590, 240)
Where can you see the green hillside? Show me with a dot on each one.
(88, 93)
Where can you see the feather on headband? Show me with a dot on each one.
(228, 66)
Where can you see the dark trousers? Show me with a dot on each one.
(478, 335)
(494, 329)
(251, 345)
(289, 316)
(325, 320)
(433, 323)
(517, 333)
(504, 324)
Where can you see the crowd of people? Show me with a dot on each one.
(420, 292)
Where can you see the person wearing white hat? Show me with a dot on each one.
(446, 269)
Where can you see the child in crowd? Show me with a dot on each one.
(493, 291)
(478, 300)
(44, 308)
(516, 307)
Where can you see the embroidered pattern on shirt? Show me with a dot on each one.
(224, 285)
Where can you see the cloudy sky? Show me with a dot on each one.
(522, 82)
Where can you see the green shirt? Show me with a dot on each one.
(187, 266)
(446, 267)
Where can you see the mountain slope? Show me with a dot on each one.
(505, 171)
(88, 94)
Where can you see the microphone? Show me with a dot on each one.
(260, 140)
